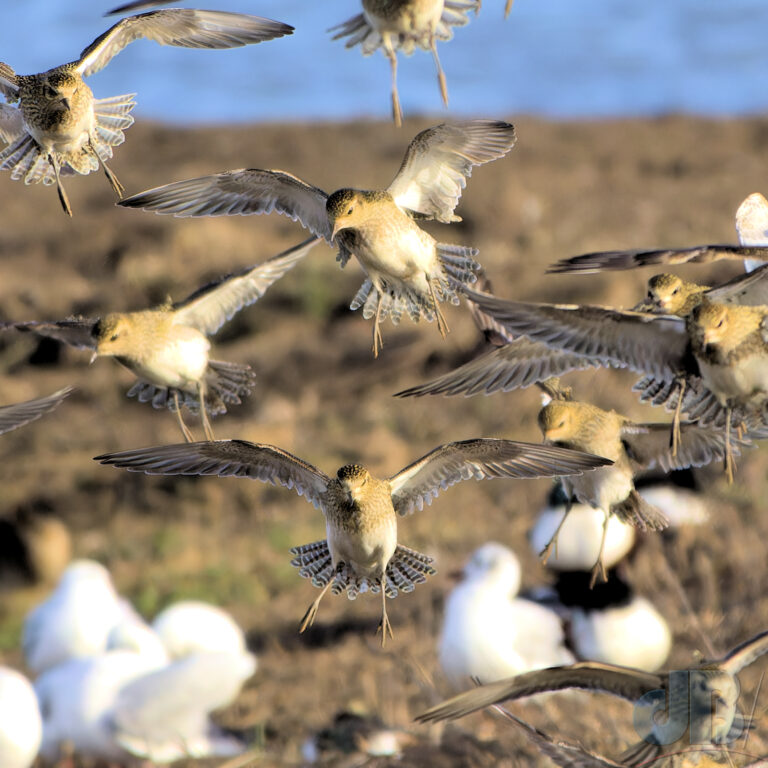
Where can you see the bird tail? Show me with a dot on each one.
(455, 14)
(24, 160)
(226, 383)
(641, 753)
(405, 570)
(636, 511)
(359, 31)
(459, 263)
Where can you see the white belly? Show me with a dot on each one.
(180, 362)
(744, 382)
(368, 552)
(64, 138)
(419, 17)
(603, 487)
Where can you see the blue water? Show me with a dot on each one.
(555, 58)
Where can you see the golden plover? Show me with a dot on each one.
(167, 347)
(406, 268)
(402, 25)
(59, 128)
(19, 414)
(699, 703)
(751, 226)
(361, 552)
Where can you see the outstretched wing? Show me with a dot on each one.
(183, 27)
(750, 289)
(743, 655)
(77, 332)
(700, 254)
(211, 306)
(515, 365)
(650, 446)
(19, 414)
(482, 459)
(241, 192)
(226, 458)
(655, 344)
(623, 682)
(439, 161)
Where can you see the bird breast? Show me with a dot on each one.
(176, 358)
(605, 486)
(403, 17)
(742, 380)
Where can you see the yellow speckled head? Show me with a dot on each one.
(347, 208)
(559, 420)
(673, 295)
(710, 322)
(59, 88)
(114, 335)
(353, 477)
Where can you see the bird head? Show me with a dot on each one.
(713, 693)
(346, 209)
(494, 564)
(353, 478)
(59, 89)
(710, 324)
(558, 420)
(667, 293)
(113, 335)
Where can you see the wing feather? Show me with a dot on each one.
(746, 653)
(623, 682)
(77, 332)
(19, 414)
(226, 458)
(439, 161)
(182, 27)
(420, 482)
(210, 307)
(655, 344)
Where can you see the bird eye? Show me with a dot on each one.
(350, 210)
(50, 91)
(114, 337)
(675, 291)
(561, 424)
(720, 322)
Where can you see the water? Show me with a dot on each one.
(555, 58)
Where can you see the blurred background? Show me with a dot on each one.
(639, 125)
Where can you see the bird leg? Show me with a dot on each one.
(508, 8)
(729, 463)
(397, 113)
(113, 180)
(309, 617)
(188, 436)
(63, 199)
(599, 568)
(676, 420)
(440, 73)
(552, 543)
(378, 341)
(204, 412)
(384, 625)
(442, 326)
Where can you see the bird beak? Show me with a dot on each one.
(93, 357)
(65, 103)
(337, 227)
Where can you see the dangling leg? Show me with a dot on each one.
(729, 464)
(552, 543)
(378, 341)
(599, 569)
(309, 616)
(442, 326)
(204, 411)
(188, 436)
(52, 159)
(676, 420)
(397, 113)
(508, 8)
(440, 74)
(111, 178)
(384, 625)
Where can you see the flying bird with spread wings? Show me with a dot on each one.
(406, 269)
(360, 552)
(683, 708)
(167, 347)
(60, 129)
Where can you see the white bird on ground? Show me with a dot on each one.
(21, 727)
(488, 632)
(191, 626)
(130, 702)
(75, 620)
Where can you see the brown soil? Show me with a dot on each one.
(565, 189)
